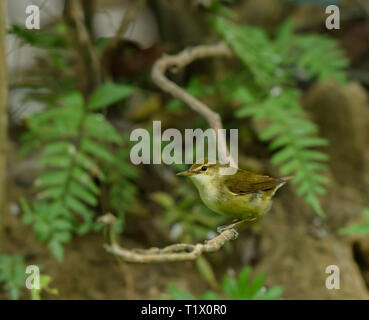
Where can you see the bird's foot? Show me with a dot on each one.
(234, 224)
(221, 229)
(227, 227)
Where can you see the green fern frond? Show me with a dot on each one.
(75, 143)
(317, 55)
(273, 65)
(253, 47)
(293, 136)
(52, 223)
(321, 57)
(276, 62)
(12, 274)
(121, 190)
(41, 39)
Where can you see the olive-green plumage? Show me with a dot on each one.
(242, 196)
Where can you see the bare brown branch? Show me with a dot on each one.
(181, 60)
(173, 253)
(90, 74)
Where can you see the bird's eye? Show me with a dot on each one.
(204, 168)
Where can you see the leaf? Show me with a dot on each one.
(52, 178)
(179, 294)
(25, 205)
(271, 131)
(73, 100)
(59, 161)
(63, 236)
(366, 214)
(308, 142)
(52, 193)
(163, 199)
(285, 31)
(12, 274)
(39, 39)
(44, 286)
(361, 229)
(78, 206)
(280, 141)
(314, 155)
(210, 295)
(83, 178)
(283, 155)
(80, 192)
(86, 162)
(206, 271)
(320, 56)
(229, 286)
(97, 127)
(57, 249)
(108, 94)
(256, 285)
(243, 279)
(57, 148)
(96, 150)
(313, 200)
(272, 293)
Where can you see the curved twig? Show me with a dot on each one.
(179, 61)
(173, 253)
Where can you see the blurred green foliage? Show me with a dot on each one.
(274, 65)
(241, 288)
(186, 216)
(83, 157)
(266, 89)
(360, 229)
(51, 39)
(12, 274)
(76, 144)
(44, 286)
(13, 278)
(121, 190)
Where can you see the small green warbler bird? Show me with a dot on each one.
(243, 196)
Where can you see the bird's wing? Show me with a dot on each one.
(244, 182)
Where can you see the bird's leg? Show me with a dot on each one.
(234, 224)
(227, 226)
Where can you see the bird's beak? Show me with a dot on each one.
(186, 173)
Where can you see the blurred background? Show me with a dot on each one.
(77, 87)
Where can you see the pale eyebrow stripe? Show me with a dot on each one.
(199, 165)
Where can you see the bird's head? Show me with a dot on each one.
(204, 168)
(203, 173)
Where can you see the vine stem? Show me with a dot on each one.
(173, 253)
(181, 60)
